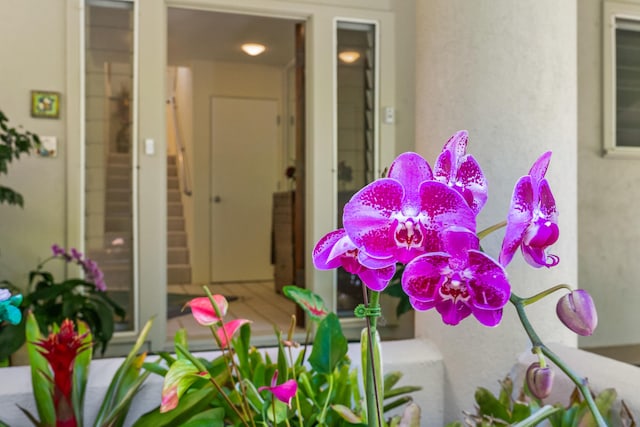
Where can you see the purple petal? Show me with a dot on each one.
(421, 305)
(457, 144)
(323, 255)
(410, 169)
(377, 280)
(375, 263)
(490, 289)
(367, 216)
(538, 257)
(457, 241)
(452, 311)
(518, 219)
(488, 318)
(444, 168)
(422, 277)
(539, 168)
(472, 182)
(444, 208)
(547, 201)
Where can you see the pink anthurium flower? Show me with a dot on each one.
(461, 171)
(532, 223)
(283, 392)
(203, 310)
(337, 250)
(459, 281)
(402, 216)
(226, 331)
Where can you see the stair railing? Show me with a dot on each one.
(183, 166)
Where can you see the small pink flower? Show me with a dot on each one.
(203, 310)
(283, 392)
(228, 330)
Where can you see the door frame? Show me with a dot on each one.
(321, 175)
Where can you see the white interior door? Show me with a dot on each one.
(244, 147)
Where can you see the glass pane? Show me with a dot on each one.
(628, 84)
(356, 132)
(108, 174)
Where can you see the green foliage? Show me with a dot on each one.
(51, 302)
(226, 388)
(13, 143)
(526, 410)
(124, 385)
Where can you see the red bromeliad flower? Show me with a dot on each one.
(60, 349)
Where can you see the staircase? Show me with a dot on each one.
(113, 254)
(178, 266)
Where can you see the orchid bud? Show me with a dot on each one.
(578, 312)
(539, 380)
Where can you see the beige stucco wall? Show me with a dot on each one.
(33, 39)
(607, 187)
(507, 74)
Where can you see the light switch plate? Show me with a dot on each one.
(48, 146)
(149, 147)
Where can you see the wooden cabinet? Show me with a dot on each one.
(283, 243)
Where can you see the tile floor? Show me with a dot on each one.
(256, 301)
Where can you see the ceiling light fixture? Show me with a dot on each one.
(253, 49)
(349, 56)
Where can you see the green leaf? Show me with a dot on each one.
(391, 379)
(311, 303)
(329, 345)
(119, 384)
(488, 404)
(81, 371)
(209, 418)
(191, 404)
(42, 386)
(346, 414)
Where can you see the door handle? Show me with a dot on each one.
(215, 199)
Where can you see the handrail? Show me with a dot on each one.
(181, 150)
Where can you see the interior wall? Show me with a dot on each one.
(220, 79)
(607, 203)
(33, 37)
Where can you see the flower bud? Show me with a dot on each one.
(578, 312)
(539, 380)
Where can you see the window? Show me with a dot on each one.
(621, 79)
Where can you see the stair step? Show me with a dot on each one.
(173, 195)
(115, 223)
(118, 169)
(173, 183)
(119, 207)
(172, 160)
(174, 209)
(119, 159)
(117, 195)
(118, 182)
(175, 224)
(118, 277)
(172, 171)
(109, 257)
(177, 256)
(177, 274)
(176, 239)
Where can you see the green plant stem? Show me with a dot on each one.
(273, 409)
(374, 413)
(293, 373)
(539, 296)
(202, 368)
(323, 414)
(581, 383)
(484, 233)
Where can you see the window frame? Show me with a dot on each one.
(613, 11)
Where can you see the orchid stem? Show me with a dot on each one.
(580, 382)
(374, 415)
(539, 296)
(484, 233)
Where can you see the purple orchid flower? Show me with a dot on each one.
(337, 250)
(402, 216)
(532, 223)
(459, 281)
(461, 171)
(283, 392)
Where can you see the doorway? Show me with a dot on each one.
(232, 136)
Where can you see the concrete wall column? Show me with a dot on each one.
(506, 71)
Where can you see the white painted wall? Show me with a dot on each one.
(607, 201)
(506, 73)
